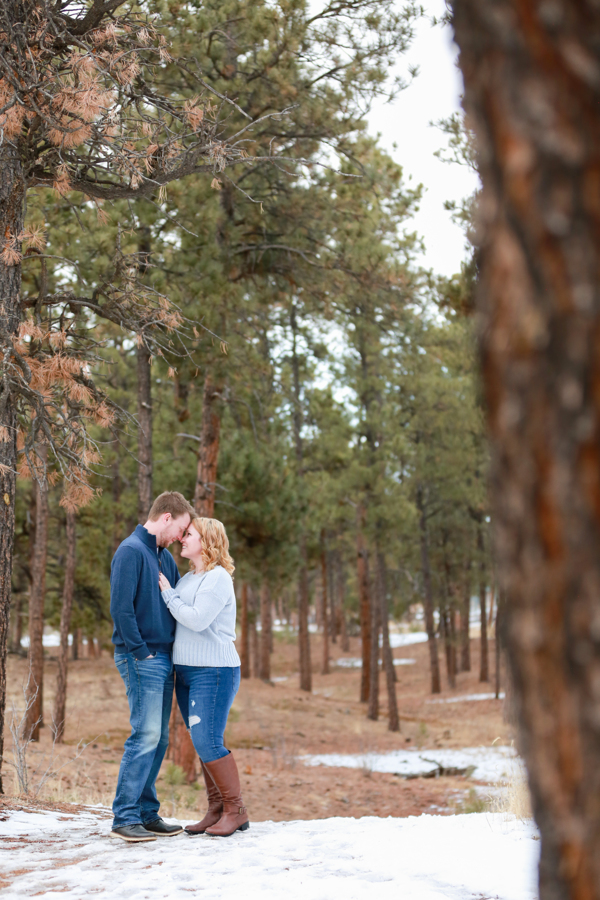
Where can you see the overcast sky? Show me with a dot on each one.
(434, 94)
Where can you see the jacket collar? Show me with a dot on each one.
(148, 539)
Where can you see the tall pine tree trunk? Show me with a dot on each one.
(60, 702)
(484, 669)
(341, 585)
(12, 203)
(434, 662)
(388, 656)
(245, 634)
(144, 411)
(116, 498)
(208, 454)
(497, 646)
(364, 603)
(373, 708)
(325, 658)
(303, 604)
(254, 648)
(532, 93)
(265, 632)
(35, 683)
(465, 621)
(333, 612)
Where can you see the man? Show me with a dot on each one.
(143, 637)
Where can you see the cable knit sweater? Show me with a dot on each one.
(204, 609)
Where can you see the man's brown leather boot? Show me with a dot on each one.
(234, 818)
(215, 806)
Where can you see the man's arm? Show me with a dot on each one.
(124, 576)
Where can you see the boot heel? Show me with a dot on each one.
(244, 827)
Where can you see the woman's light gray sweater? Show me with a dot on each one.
(204, 608)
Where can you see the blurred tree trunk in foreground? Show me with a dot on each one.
(532, 95)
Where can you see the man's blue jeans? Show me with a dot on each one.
(149, 686)
(204, 696)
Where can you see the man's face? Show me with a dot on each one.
(173, 529)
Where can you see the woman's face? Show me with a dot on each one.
(191, 544)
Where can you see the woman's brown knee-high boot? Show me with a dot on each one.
(215, 805)
(234, 818)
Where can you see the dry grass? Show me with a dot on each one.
(514, 798)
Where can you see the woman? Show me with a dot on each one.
(207, 668)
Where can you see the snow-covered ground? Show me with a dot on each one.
(353, 662)
(405, 640)
(467, 697)
(424, 858)
(491, 764)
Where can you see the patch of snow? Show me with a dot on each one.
(490, 764)
(353, 662)
(404, 640)
(49, 640)
(469, 697)
(424, 858)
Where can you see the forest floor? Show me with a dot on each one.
(271, 726)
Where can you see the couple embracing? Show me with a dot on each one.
(171, 629)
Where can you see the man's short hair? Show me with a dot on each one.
(171, 502)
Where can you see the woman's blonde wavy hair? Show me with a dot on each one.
(215, 544)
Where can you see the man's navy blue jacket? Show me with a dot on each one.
(143, 624)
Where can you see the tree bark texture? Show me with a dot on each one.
(254, 651)
(341, 586)
(60, 702)
(245, 634)
(373, 707)
(333, 611)
(364, 603)
(324, 599)
(116, 498)
(144, 411)
(484, 668)
(76, 644)
(388, 656)
(465, 621)
(37, 596)
(208, 455)
(434, 662)
(446, 632)
(12, 202)
(303, 632)
(498, 646)
(532, 94)
(265, 633)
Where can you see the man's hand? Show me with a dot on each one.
(163, 582)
